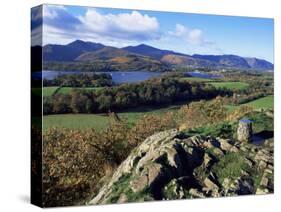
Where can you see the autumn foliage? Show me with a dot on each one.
(200, 113)
(76, 161)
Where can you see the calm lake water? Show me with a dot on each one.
(117, 77)
(204, 75)
(120, 76)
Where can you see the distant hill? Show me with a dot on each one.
(69, 52)
(189, 61)
(149, 51)
(237, 61)
(103, 54)
(259, 64)
(81, 51)
(120, 59)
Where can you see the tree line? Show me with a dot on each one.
(80, 80)
(154, 92)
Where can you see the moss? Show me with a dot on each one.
(210, 151)
(261, 122)
(256, 175)
(169, 190)
(223, 130)
(122, 187)
(257, 179)
(229, 166)
(119, 187)
(140, 196)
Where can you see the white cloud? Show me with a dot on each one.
(132, 25)
(60, 26)
(192, 36)
(51, 11)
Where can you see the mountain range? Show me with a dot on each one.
(144, 55)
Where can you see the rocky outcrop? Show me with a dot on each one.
(170, 165)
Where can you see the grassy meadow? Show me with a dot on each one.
(100, 121)
(67, 90)
(48, 91)
(219, 84)
(197, 79)
(231, 85)
(264, 102)
(75, 121)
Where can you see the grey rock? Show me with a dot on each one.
(264, 181)
(262, 165)
(168, 165)
(225, 144)
(210, 184)
(195, 193)
(262, 191)
(244, 130)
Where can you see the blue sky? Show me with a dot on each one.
(181, 32)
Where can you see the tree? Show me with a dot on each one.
(105, 102)
(80, 102)
(61, 103)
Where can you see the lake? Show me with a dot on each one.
(204, 75)
(117, 77)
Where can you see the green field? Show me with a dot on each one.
(264, 102)
(48, 91)
(98, 121)
(230, 85)
(67, 90)
(197, 79)
(75, 121)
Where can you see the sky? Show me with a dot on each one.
(181, 32)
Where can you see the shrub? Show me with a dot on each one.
(239, 113)
(229, 166)
(223, 130)
(198, 114)
(150, 124)
(74, 161)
